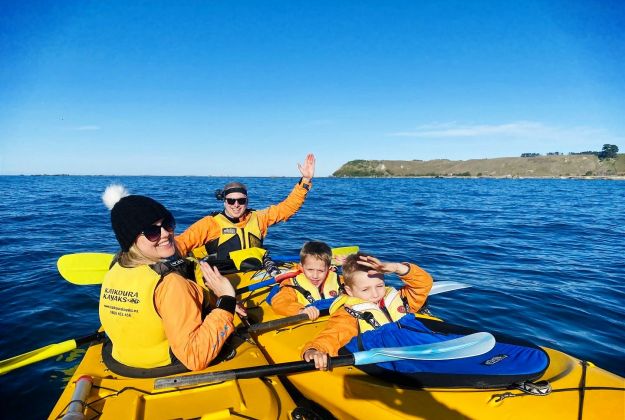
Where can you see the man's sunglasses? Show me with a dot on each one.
(242, 200)
(153, 232)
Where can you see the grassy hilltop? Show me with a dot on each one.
(512, 167)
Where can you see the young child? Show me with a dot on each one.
(314, 281)
(368, 303)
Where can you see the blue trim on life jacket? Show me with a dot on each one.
(320, 304)
(274, 291)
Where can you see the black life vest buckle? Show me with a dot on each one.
(425, 311)
(370, 319)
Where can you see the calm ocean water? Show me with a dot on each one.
(545, 257)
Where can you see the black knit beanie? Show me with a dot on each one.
(133, 213)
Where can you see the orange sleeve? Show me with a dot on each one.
(283, 210)
(418, 284)
(193, 341)
(341, 328)
(197, 234)
(285, 301)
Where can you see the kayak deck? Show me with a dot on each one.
(350, 393)
(579, 389)
(115, 397)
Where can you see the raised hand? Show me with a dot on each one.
(308, 168)
(378, 266)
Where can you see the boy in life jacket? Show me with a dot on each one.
(315, 280)
(368, 303)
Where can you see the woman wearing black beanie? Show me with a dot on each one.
(158, 320)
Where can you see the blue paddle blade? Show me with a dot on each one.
(467, 346)
(446, 286)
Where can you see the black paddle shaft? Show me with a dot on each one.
(281, 322)
(93, 338)
(250, 372)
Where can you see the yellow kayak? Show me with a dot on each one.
(115, 397)
(578, 390)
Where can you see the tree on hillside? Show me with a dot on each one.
(609, 151)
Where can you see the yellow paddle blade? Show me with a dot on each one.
(90, 267)
(84, 268)
(339, 254)
(36, 355)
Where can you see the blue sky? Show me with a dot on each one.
(247, 88)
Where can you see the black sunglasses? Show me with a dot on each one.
(153, 232)
(242, 200)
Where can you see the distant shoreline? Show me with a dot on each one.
(588, 178)
(535, 167)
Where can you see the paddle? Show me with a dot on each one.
(281, 322)
(84, 268)
(56, 349)
(68, 345)
(265, 283)
(90, 267)
(438, 287)
(446, 286)
(46, 352)
(336, 252)
(467, 346)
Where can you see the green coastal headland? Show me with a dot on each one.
(551, 166)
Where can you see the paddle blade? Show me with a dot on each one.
(467, 346)
(458, 348)
(84, 268)
(36, 355)
(342, 252)
(446, 286)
